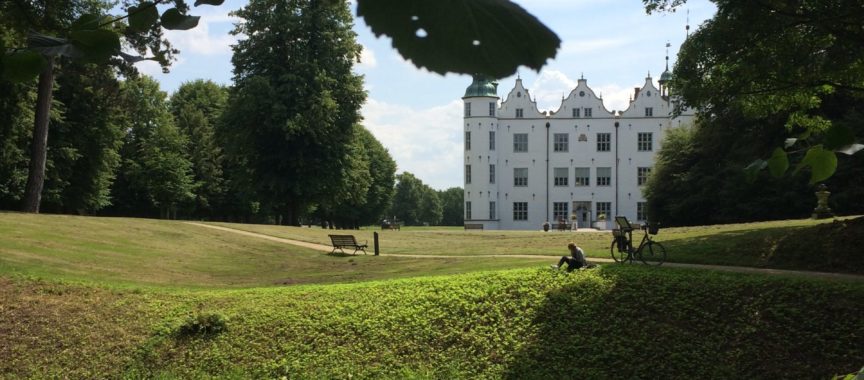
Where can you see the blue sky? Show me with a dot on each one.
(417, 115)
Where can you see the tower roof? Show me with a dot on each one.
(666, 76)
(482, 86)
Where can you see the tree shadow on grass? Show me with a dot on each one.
(664, 323)
(828, 247)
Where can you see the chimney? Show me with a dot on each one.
(635, 92)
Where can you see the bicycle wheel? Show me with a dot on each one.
(652, 253)
(618, 256)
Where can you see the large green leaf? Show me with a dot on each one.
(174, 20)
(492, 37)
(97, 45)
(143, 16)
(778, 163)
(209, 2)
(22, 65)
(822, 163)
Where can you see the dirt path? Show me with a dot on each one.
(327, 248)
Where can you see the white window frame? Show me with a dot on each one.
(491, 140)
(520, 210)
(604, 180)
(561, 142)
(604, 140)
(467, 174)
(642, 174)
(520, 113)
(518, 179)
(491, 173)
(467, 140)
(645, 141)
(520, 146)
(558, 179)
(582, 181)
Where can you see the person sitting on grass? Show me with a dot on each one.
(576, 259)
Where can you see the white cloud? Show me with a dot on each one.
(367, 58)
(200, 40)
(426, 142)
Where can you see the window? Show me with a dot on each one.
(491, 140)
(467, 109)
(468, 210)
(604, 142)
(576, 112)
(587, 112)
(492, 173)
(559, 211)
(520, 177)
(604, 176)
(491, 108)
(562, 177)
(492, 210)
(561, 142)
(518, 113)
(520, 210)
(604, 208)
(642, 175)
(520, 142)
(582, 177)
(467, 174)
(649, 111)
(641, 209)
(645, 140)
(467, 140)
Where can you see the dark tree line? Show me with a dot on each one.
(780, 82)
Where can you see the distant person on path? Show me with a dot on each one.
(576, 259)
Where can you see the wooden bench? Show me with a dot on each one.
(346, 241)
(473, 226)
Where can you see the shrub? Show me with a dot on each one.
(202, 325)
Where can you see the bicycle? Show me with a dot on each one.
(649, 251)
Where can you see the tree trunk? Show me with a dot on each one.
(39, 146)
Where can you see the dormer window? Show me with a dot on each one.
(587, 112)
(576, 112)
(649, 111)
(519, 113)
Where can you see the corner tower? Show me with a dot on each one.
(480, 122)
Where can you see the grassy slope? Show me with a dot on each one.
(791, 244)
(126, 252)
(612, 322)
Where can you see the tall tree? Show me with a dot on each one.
(804, 52)
(85, 141)
(156, 174)
(453, 206)
(197, 108)
(368, 180)
(414, 202)
(295, 100)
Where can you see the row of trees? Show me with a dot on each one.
(283, 143)
(415, 203)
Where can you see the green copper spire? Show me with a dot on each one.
(482, 86)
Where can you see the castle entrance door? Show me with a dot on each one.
(582, 209)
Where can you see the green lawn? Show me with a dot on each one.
(129, 298)
(126, 251)
(788, 244)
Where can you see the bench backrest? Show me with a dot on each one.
(343, 240)
(473, 226)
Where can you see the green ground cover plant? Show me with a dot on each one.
(609, 322)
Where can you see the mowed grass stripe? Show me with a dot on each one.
(128, 251)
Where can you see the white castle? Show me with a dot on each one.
(525, 167)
